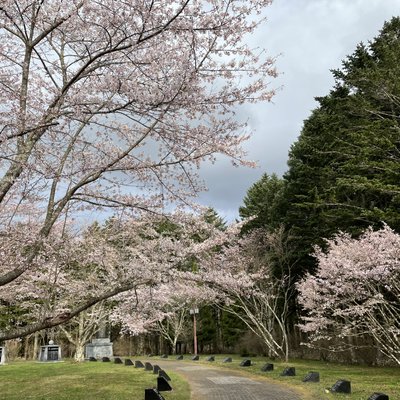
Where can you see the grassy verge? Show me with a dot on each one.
(81, 381)
(364, 380)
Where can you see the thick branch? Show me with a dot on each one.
(64, 317)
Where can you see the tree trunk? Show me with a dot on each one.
(26, 347)
(218, 342)
(79, 352)
(350, 341)
(174, 345)
(286, 345)
(35, 346)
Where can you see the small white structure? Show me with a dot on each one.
(50, 352)
(2, 355)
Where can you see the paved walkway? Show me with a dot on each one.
(213, 383)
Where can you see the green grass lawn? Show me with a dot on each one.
(364, 380)
(97, 381)
(81, 381)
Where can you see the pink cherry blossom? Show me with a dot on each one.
(355, 292)
(112, 105)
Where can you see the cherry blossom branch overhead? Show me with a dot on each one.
(116, 104)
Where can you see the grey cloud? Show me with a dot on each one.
(312, 37)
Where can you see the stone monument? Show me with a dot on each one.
(2, 355)
(100, 346)
(50, 352)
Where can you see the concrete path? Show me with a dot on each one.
(213, 383)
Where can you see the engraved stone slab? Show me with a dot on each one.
(163, 385)
(139, 364)
(152, 394)
(289, 371)
(311, 377)
(156, 368)
(378, 396)
(162, 373)
(267, 367)
(341, 386)
(148, 366)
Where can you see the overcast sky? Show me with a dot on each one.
(311, 37)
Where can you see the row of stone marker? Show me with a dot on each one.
(341, 386)
(162, 378)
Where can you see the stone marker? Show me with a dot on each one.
(92, 359)
(117, 360)
(139, 364)
(378, 396)
(311, 377)
(245, 363)
(2, 355)
(341, 386)
(163, 385)
(101, 345)
(179, 357)
(128, 361)
(195, 358)
(162, 373)
(164, 356)
(289, 371)
(211, 358)
(105, 359)
(51, 352)
(267, 367)
(148, 366)
(152, 394)
(227, 359)
(156, 368)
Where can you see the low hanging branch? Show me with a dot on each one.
(64, 317)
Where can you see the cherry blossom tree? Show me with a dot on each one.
(80, 329)
(248, 289)
(115, 105)
(355, 293)
(163, 309)
(129, 257)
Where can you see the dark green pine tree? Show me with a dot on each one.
(262, 202)
(344, 170)
(211, 217)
